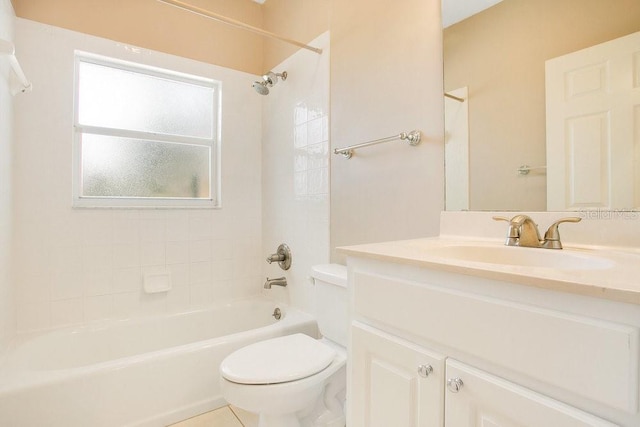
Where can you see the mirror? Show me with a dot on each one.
(495, 61)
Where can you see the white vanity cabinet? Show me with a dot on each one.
(394, 382)
(522, 356)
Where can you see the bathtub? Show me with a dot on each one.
(138, 372)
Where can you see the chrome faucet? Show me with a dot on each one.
(280, 281)
(523, 231)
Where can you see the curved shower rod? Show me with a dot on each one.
(238, 24)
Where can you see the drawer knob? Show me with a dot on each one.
(424, 370)
(454, 384)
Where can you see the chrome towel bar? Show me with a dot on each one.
(525, 169)
(413, 138)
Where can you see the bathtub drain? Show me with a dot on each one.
(277, 313)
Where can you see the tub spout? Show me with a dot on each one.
(280, 281)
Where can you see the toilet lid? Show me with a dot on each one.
(277, 360)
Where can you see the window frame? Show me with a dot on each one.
(214, 201)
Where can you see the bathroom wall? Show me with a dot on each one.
(295, 177)
(7, 18)
(182, 33)
(75, 266)
(386, 78)
(161, 27)
(301, 20)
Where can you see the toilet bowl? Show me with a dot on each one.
(309, 393)
(296, 380)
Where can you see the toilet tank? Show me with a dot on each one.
(331, 301)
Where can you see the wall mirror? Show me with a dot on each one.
(496, 115)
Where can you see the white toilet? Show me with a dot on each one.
(296, 380)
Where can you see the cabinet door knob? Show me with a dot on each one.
(454, 384)
(424, 370)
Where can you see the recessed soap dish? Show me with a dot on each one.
(157, 282)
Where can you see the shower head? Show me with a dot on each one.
(269, 80)
(261, 88)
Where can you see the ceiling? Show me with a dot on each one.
(454, 11)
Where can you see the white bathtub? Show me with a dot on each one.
(144, 372)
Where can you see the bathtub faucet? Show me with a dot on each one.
(280, 281)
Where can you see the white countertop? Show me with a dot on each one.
(608, 273)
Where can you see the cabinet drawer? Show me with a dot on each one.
(589, 357)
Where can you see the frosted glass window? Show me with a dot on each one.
(116, 98)
(122, 167)
(144, 137)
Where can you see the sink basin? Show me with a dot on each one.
(525, 257)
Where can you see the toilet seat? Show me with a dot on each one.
(278, 360)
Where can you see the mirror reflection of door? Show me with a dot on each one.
(593, 127)
(499, 54)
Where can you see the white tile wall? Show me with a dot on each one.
(78, 266)
(295, 179)
(7, 18)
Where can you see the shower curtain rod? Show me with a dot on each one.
(238, 24)
(457, 98)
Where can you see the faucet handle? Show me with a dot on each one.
(282, 257)
(513, 234)
(275, 257)
(552, 235)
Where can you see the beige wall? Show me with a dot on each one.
(153, 25)
(157, 26)
(302, 20)
(499, 54)
(386, 77)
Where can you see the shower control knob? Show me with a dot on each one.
(275, 258)
(425, 370)
(454, 384)
(282, 257)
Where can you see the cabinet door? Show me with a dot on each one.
(483, 400)
(393, 382)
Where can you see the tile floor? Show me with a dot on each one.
(228, 416)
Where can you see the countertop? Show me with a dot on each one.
(607, 273)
